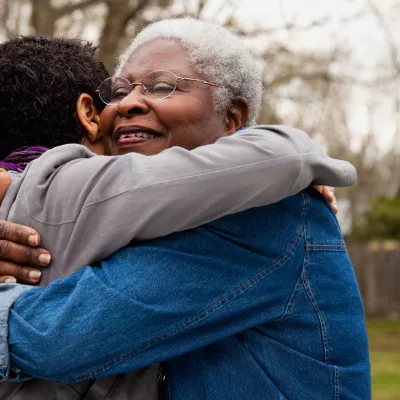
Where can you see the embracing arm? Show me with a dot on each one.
(72, 329)
(93, 206)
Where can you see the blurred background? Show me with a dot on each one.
(331, 68)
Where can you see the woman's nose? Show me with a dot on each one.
(133, 104)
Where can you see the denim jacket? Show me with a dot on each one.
(260, 304)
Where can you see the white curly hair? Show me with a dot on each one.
(216, 54)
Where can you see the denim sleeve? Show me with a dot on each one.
(139, 309)
(9, 292)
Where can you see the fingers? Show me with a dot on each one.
(24, 254)
(19, 234)
(7, 279)
(5, 182)
(329, 193)
(10, 272)
(334, 206)
(18, 246)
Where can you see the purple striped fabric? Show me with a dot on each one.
(20, 158)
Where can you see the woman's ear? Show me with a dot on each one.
(237, 115)
(90, 120)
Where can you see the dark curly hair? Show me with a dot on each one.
(40, 81)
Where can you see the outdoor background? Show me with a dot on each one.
(331, 68)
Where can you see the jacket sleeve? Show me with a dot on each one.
(141, 307)
(86, 207)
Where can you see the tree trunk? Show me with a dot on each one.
(43, 18)
(114, 28)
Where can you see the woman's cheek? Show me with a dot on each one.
(107, 119)
(109, 147)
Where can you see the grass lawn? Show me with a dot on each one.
(384, 341)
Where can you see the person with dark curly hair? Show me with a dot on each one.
(41, 81)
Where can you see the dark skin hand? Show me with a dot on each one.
(18, 247)
(18, 243)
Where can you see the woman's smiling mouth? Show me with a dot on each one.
(134, 134)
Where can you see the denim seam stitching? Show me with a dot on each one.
(325, 245)
(320, 316)
(326, 248)
(304, 212)
(310, 294)
(297, 287)
(292, 301)
(216, 306)
(337, 383)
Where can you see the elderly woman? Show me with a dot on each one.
(278, 297)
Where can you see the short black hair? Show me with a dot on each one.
(40, 81)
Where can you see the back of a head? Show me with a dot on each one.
(40, 81)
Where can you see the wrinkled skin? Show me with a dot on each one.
(186, 119)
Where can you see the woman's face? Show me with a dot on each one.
(186, 118)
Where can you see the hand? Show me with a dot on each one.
(329, 193)
(18, 245)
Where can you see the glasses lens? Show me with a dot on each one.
(159, 84)
(114, 89)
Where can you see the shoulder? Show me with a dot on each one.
(44, 188)
(59, 156)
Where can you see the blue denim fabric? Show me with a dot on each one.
(8, 293)
(259, 305)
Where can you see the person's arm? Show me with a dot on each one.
(138, 309)
(18, 244)
(92, 206)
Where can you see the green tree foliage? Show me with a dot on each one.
(379, 222)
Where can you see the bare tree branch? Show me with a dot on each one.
(326, 76)
(200, 7)
(119, 15)
(70, 8)
(5, 12)
(140, 6)
(394, 53)
(293, 27)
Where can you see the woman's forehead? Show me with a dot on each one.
(160, 54)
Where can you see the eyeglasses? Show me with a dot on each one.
(156, 85)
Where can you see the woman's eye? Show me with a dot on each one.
(119, 93)
(162, 87)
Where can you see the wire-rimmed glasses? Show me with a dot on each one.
(156, 84)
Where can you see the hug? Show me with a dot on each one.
(191, 257)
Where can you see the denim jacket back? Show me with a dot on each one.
(308, 340)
